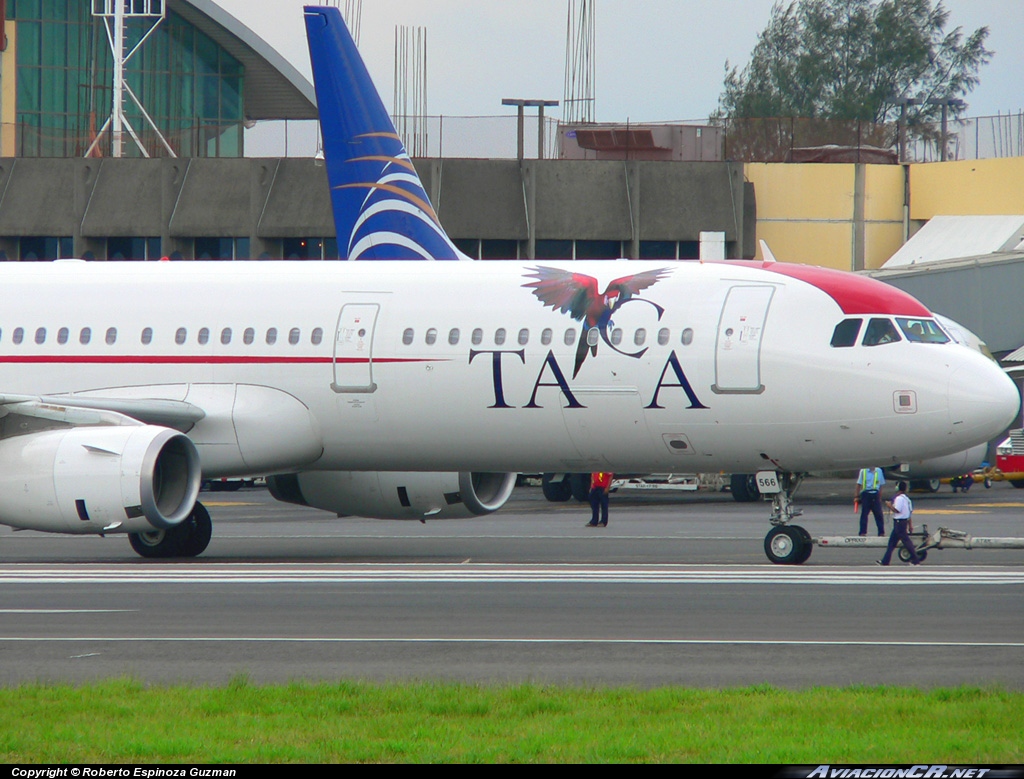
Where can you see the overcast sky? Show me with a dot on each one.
(656, 59)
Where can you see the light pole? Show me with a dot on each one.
(520, 105)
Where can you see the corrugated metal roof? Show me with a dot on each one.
(274, 89)
(1015, 356)
(952, 237)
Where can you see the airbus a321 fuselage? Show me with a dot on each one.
(417, 389)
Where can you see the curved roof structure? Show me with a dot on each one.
(274, 89)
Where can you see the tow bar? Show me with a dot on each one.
(943, 538)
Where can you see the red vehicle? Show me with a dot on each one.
(1010, 458)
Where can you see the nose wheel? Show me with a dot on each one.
(788, 545)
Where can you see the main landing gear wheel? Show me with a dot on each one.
(788, 545)
(579, 483)
(743, 487)
(555, 491)
(189, 539)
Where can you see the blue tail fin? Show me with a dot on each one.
(381, 211)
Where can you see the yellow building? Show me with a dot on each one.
(855, 216)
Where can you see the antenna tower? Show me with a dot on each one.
(352, 11)
(410, 103)
(580, 37)
(115, 14)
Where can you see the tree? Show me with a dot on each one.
(854, 60)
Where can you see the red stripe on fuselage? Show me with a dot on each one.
(854, 294)
(189, 360)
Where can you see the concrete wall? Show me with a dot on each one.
(268, 200)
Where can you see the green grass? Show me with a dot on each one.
(125, 721)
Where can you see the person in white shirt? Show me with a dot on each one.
(902, 509)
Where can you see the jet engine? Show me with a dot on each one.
(951, 465)
(130, 479)
(394, 495)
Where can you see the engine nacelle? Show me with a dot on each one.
(956, 464)
(131, 479)
(393, 495)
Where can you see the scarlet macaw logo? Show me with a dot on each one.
(576, 294)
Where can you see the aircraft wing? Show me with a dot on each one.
(72, 411)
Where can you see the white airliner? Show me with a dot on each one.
(416, 390)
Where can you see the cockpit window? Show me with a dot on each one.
(846, 332)
(880, 331)
(922, 331)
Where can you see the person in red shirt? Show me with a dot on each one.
(599, 486)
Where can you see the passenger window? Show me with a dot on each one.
(40, 335)
(524, 337)
(19, 335)
(204, 336)
(846, 333)
(431, 336)
(616, 338)
(922, 331)
(545, 336)
(663, 336)
(478, 336)
(570, 337)
(225, 336)
(147, 336)
(880, 331)
(687, 337)
(294, 336)
(248, 336)
(499, 336)
(317, 336)
(408, 336)
(84, 336)
(180, 336)
(593, 335)
(63, 335)
(640, 336)
(272, 336)
(453, 336)
(111, 336)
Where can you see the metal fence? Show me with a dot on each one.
(748, 140)
(495, 137)
(977, 138)
(483, 137)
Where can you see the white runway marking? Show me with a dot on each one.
(267, 574)
(498, 640)
(68, 611)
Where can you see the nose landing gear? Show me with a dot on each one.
(785, 544)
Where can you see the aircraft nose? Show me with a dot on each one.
(983, 402)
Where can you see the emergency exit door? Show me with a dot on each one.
(353, 348)
(738, 342)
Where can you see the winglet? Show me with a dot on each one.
(381, 210)
(767, 253)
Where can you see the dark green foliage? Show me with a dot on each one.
(852, 60)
